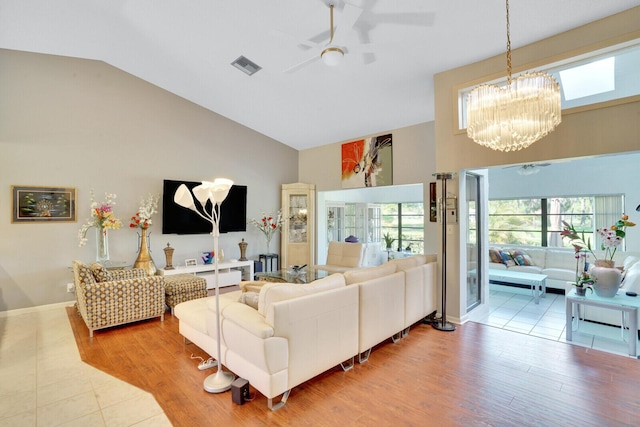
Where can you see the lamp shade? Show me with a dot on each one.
(332, 55)
(219, 189)
(183, 197)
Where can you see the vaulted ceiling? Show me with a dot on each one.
(385, 80)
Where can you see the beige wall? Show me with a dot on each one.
(80, 123)
(413, 163)
(606, 130)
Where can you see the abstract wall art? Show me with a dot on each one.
(367, 162)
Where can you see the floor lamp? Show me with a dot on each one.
(215, 192)
(442, 324)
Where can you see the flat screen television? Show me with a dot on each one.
(179, 220)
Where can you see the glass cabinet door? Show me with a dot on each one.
(298, 218)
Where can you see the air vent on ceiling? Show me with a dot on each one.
(246, 66)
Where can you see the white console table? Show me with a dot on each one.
(230, 273)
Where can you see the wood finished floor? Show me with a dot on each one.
(475, 376)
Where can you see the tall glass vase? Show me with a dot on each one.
(144, 260)
(102, 245)
(268, 245)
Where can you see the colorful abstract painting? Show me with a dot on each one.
(367, 162)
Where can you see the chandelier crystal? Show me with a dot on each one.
(515, 116)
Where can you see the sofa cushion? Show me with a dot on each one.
(507, 259)
(250, 298)
(565, 259)
(494, 256)
(629, 262)
(560, 274)
(252, 285)
(100, 273)
(271, 293)
(632, 280)
(364, 274)
(403, 264)
(84, 276)
(521, 257)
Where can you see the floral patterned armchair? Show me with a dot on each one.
(114, 297)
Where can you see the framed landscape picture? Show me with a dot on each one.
(43, 204)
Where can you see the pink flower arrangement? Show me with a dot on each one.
(102, 217)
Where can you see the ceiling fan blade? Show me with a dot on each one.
(350, 15)
(302, 64)
(288, 38)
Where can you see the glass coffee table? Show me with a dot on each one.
(306, 275)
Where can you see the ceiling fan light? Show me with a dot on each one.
(332, 56)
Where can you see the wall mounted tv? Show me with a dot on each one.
(179, 220)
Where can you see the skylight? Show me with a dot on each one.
(588, 79)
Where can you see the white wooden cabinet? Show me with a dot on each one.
(229, 273)
(298, 231)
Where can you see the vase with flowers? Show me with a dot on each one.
(103, 219)
(142, 220)
(269, 224)
(606, 278)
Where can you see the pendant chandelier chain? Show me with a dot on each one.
(508, 48)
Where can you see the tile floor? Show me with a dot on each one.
(514, 309)
(43, 382)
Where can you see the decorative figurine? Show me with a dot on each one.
(168, 254)
(243, 250)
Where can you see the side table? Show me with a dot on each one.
(268, 260)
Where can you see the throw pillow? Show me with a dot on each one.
(632, 280)
(84, 275)
(507, 259)
(494, 256)
(100, 273)
(521, 257)
(250, 299)
(252, 285)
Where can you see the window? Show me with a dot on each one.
(601, 76)
(538, 222)
(405, 223)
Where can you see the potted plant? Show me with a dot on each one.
(388, 240)
(583, 280)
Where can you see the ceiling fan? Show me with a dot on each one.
(333, 52)
(529, 168)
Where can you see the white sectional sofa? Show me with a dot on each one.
(296, 332)
(560, 267)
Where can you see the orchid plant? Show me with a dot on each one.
(611, 237)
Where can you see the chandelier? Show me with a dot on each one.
(515, 116)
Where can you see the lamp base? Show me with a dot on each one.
(219, 382)
(442, 325)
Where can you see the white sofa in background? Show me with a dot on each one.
(557, 263)
(278, 335)
(560, 267)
